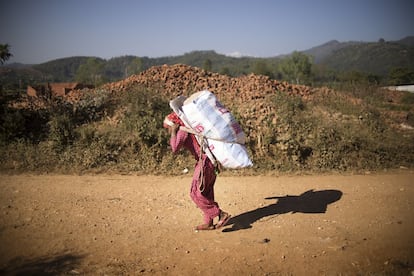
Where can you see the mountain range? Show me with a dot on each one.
(369, 57)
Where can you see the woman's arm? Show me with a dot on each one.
(177, 138)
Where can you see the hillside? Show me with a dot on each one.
(321, 52)
(408, 41)
(61, 70)
(374, 58)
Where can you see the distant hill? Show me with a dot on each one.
(319, 53)
(334, 50)
(376, 58)
(408, 41)
(369, 57)
(61, 70)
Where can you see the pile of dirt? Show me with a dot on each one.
(249, 93)
(183, 79)
(250, 96)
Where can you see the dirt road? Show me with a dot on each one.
(286, 225)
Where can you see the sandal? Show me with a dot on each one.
(204, 227)
(224, 218)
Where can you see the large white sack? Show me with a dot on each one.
(209, 117)
(230, 155)
(224, 138)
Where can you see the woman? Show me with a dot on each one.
(202, 185)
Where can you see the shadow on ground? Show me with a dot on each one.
(50, 265)
(311, 201)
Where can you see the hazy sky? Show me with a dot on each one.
(42, 30)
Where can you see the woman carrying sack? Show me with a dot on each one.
(204, 178)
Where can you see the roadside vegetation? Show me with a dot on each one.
(124, 134)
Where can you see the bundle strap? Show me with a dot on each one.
(200, 158)
(217, 163)
(201, 162)
(189, 130)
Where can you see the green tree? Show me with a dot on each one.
(261, 68)
(91, 72)
(134, 67)
(400, 76)
(352, 77)
(297, 68)
(225, 71)
(207, 65)
(4, 53)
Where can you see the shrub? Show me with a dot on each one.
(12, 126)
(144, 116)
(408, 98)
(93, 106)
(61, 131)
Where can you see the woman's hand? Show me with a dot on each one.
(173, 129)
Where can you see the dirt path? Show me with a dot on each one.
(127, 225)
